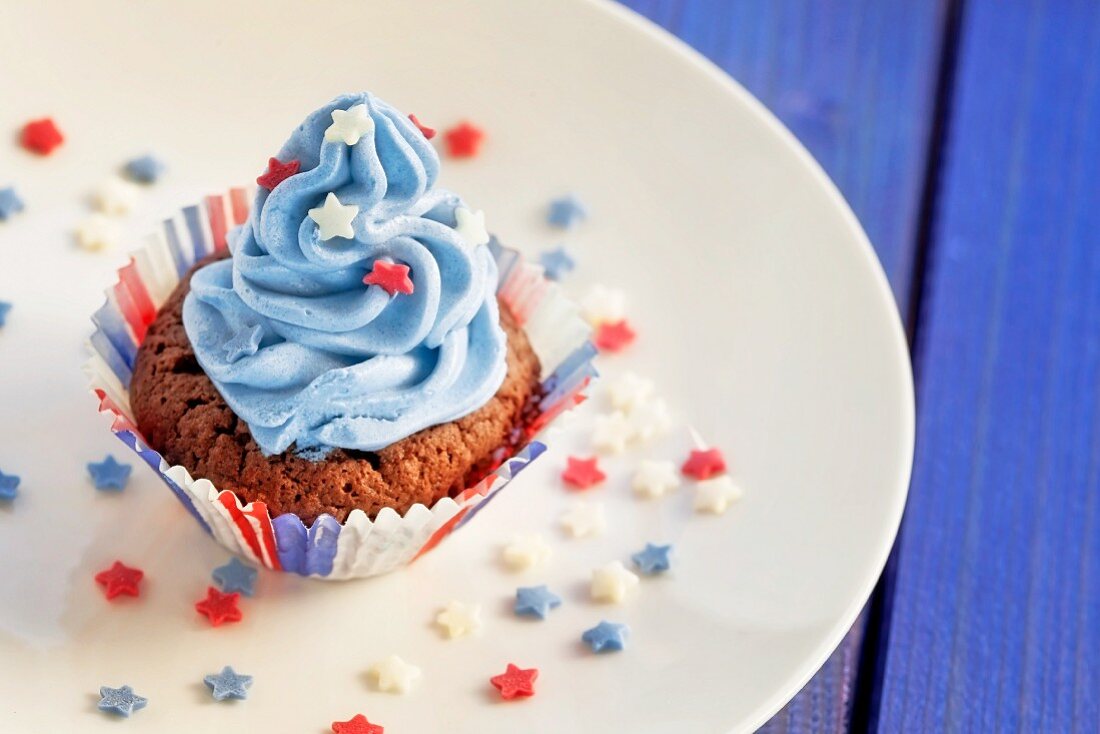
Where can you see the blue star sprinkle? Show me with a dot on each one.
(557, 263)
(235, 576)
(566, 212)
(228, 684)
(244, 343)
(9, 486)
(109, 474)
(145, 169)
(122, 701)
(536, 601)
(5, 307)
(10, 203)
(606, 637)
(654, 559)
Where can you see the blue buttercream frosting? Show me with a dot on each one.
(341, 364)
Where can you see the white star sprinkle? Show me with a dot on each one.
(459, 619)
(611, 432)
(610, 583)
(526, 551)
(655, 478)
(629, 391)
(334, 218)
(98, 232)
(583, 520)
(115, 196)
(650, 420)
(716, 495)
(394, 675)
(470, 226)
(349, 125)
(603, 304)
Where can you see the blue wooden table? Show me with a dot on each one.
(966, 136)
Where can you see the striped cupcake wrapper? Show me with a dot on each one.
(360, 546)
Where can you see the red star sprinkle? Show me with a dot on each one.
(391, 277)
(427, 132)
(119, 579)
(515, 682)
(41, 136)
(582, 473)
(463, 140)
(277, 172)
(614, 336)
(704, 464)
(219, 607)
(357, 724)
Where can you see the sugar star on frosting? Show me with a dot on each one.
(557, 263)
(606, 637)
(349, 125)
(526, 551)
(277, 172)
(611, 583)
(390, 277)
(471, 226)
(145, 169)
(459, 619)
(628, 391)
(98, 232)
(653, 559)
(655, 478)
(120, 579)
(535, 601)
(650, 420)
(357, 724)
(122, 701)
(333, 218)
(566, 212)
(427, 132)
(116, 196)
(244, 343)
(10, 203)
(228, 684)
(394, 675)
(109, 474)
(716, 495)
(584, 519)
(235, 576)
(611, 432)
(9, 486)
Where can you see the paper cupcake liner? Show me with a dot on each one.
(327, 549)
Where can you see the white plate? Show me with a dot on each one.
(763, 315)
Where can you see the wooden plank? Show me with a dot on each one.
(996, 613)
(854, 80)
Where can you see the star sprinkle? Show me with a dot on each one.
(98, 232)
(716, 495)
(145, 169)
(277, 172)
(228, 684)
(122, 701)
(629, 391)
(109, 474)
(10, 203)
(515, 682)
(557, 263)
(566, 212)
(653, 559)
(655, 479)
(349, 125)
(218, 607)
(611, 432)
(611, 583)
(394, 675)
(357, 724)
(120, 579)
(116, 196)
(41, 136)
(526, 551)
(427, 132)
(650, 420)
(464, 140)
(334, 219)
(584, 520)
(614, 336)
(390, 277)
(582, 473)
(470, 226)
(602, 304)
(704, 464)
(244, 343)
(606, 637)
(9, 486)
(235, 576)
(535, 601)
(459, 620)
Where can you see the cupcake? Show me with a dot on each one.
(340, 380)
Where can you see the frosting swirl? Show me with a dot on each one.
(300, 347)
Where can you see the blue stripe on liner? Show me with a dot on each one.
(321, 548)
(290, 542)
(506, 473)
(192, 215)
(174, 247)
(506, 260)
(114, 328)
(573, 370)
(105, 349)
(153, 459)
